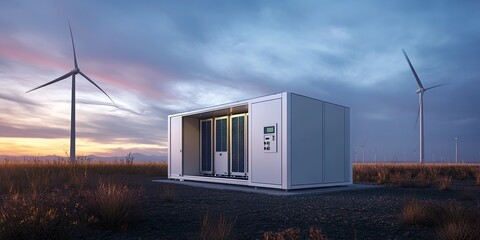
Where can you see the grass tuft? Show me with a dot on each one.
(459, 229)
(451, 220)
(416, 213)
(289, 233)
(477, 177)
(39, 216)
(445, 183)
(316, 234)
(457, 222)
(115, 206)
(382, 175)
(295, 234)
(216, 227)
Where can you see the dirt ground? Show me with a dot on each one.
(361, 214)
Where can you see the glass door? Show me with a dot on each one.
(206, 146)
(238, 144)
(221, 146)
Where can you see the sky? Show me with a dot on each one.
(156, 58)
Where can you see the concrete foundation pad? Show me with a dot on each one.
(270, 191)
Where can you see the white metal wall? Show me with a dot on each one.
(306, 135)
(348, 160)
(266, 167)
(175, 146)
(191, 146)
(334, 143)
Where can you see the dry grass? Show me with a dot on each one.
(316, 234)
(146, 169)
(52, 200)
(416, 213)
(445, 183)
(289, 233)
(45, 176)
(414, 174)
(459, 229)
(409, 180)
(451, 220)
(39, 216)
(295, 234)
(457, 222)
(382, 175)
(115, 205)
(216, 227)
(477, 177)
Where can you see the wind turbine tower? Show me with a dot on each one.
(420, 93)
(72, 73)
(363, 150)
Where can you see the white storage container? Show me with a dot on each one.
(284, 141)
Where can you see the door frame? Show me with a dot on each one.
(175, 138)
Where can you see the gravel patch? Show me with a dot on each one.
(371, 213)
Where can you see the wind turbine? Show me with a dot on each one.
(420, 92)
(72, 73)
(363, 149)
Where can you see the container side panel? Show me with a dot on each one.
(348, 160)
(266, 163)
(176, 155)
(306, 140)
(334, 143)
(191, 146)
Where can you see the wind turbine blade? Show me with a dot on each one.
(365, 142)
(413, 70)
(73, 45)
(439, 85)
(90, 80)
(53, 81)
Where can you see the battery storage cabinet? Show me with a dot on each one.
(283, 141)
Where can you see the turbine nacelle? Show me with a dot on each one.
(420, 90)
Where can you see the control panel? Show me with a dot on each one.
(270, 138)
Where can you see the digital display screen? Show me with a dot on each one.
(270, 129)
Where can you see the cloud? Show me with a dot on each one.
(8, 96)
(98, 103)
(159, 58)
(27, 131)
